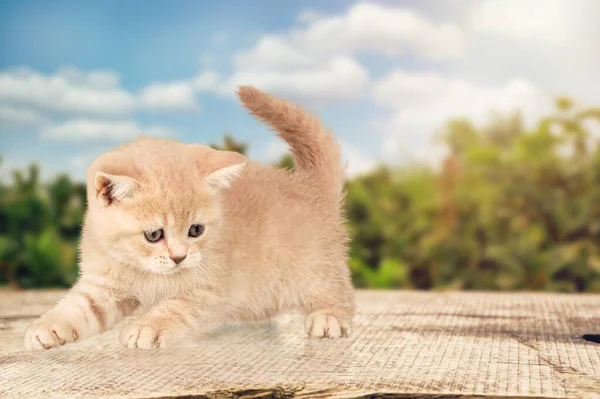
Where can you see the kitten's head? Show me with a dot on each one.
(154, 204)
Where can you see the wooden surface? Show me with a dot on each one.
(405, 344)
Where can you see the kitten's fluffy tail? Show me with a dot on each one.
(315, 151)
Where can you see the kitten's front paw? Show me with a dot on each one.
(49, 331)
(146, 335)
(137, 335)
(324, 325)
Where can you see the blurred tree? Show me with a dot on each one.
(231, 144)
(39, 230)
(509, 209)
(286, 162)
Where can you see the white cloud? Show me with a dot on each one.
(526, 20)
(87, 129)
(376, 28)
(339, 79)
(423, 102)
(309, 16)
(98, 79)
(175, 97)
(519, 57)
(363, 28)
(208, 81)
(276, 52)
(69, 92)
(554, 44)
(92, 103)
(20, 117)
(492, 55)
(276, 148)
(74, 93)
(357, 163)
(316, 60)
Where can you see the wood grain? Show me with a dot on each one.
(404, 344)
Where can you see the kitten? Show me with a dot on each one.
(192, 235)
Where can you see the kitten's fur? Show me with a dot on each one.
(274, 240)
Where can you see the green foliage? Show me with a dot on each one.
(39, 230)
(231, 144)
(509, 209)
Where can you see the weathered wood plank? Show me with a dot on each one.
(405, 344)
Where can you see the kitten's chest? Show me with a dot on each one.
(151, 291)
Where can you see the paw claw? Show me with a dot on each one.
(59, 339)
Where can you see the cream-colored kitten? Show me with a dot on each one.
(193, 235)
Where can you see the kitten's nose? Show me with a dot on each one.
(177, 258)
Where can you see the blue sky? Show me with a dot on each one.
(78, 78)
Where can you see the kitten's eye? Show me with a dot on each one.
(154, 236)
(196, 230)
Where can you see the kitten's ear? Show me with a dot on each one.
(228, 166)
(114, 188)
